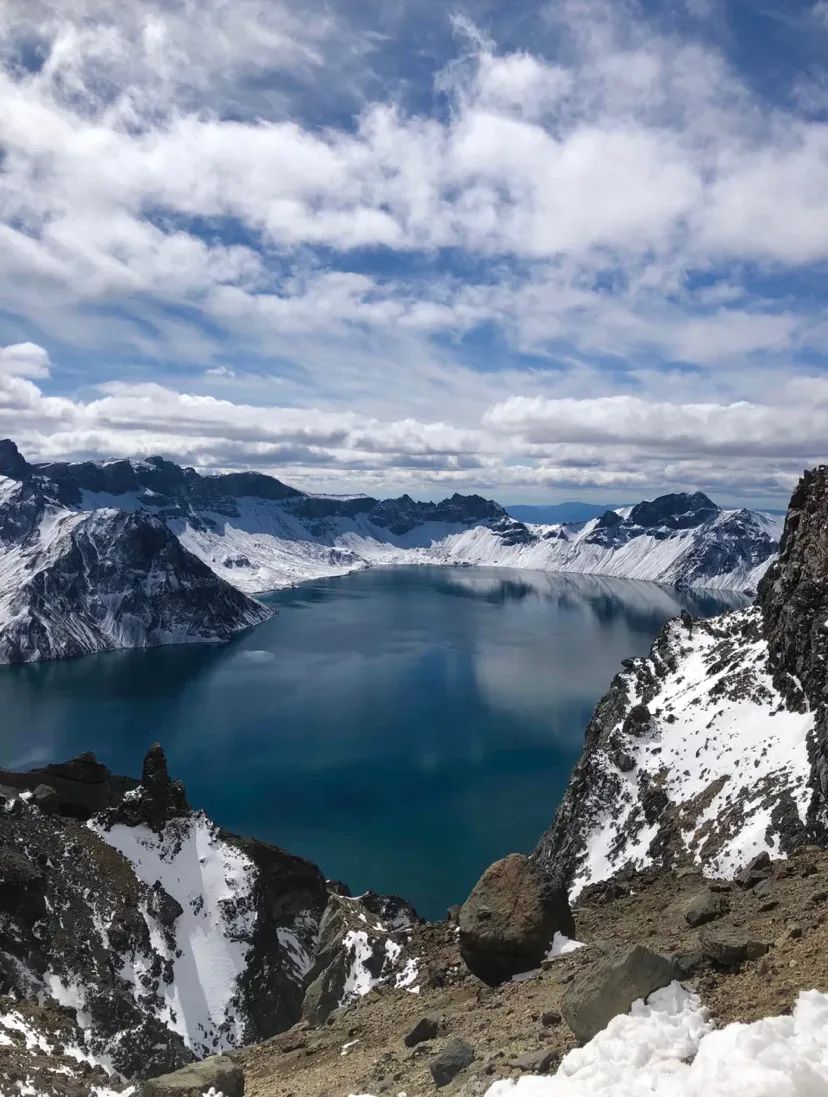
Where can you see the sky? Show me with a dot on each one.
(542, 251)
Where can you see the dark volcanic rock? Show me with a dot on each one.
(12, 463)
(611, 986)
(757, 870)
(45, 798)
(509, 919)
(156, 801)
(729, 947)
(793, 597)
(705, 906)
(83, 786)
(455, 1057)
(425, 1029)
(677, 511)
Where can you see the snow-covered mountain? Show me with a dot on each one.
(260, 534)
(715, 748)
(74, 581)
(98, 556)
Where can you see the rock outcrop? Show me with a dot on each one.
(108, 915)
(216, 1074)
(715, 748)
(509, 920)
(360, 945)
(165, 938)
(83, 785)
(793, 598)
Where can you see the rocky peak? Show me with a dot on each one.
(608, 520)
(679, 510)
(12, 462)
(156, 800)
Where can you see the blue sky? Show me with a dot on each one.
(541, 251)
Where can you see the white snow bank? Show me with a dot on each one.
(212, 881)
(667, 1048)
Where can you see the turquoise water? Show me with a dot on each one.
(402, 727)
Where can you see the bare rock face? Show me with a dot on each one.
(156, 801)
(83, 785)
(508, 922)
(361, 944)
(793, 597)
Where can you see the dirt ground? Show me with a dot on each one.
(361, 1049)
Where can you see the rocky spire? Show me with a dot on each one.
(156, 800)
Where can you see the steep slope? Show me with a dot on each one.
(712, 749)
(150, 937)
(259, 534)
(74, 582)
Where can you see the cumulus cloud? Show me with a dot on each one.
(539, 252)
(24, 360)
(619, 444)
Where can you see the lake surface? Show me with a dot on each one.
(402, 727)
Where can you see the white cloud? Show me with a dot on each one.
(24, 360)
(607, 201)
(628, 444)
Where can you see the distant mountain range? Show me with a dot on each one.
(134, 553)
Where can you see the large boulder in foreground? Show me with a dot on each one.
(611, 985)
(508, 922)
(218, 1074)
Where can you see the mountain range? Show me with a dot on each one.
(132, 553)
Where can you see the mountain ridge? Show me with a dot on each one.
(193, 550)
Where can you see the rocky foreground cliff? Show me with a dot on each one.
(136, 936)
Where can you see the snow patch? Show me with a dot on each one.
(212, 881)
(666, 1047)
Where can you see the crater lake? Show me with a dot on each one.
(402, 727)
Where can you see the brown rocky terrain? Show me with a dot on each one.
(518, 1028)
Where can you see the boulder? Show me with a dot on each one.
(218, 1073)
(508, 922)
(705, 906)
(534, 1062)
(689, 964)
(45, 798)
(728, 948)
(426, 1029)
(611, 986)
(455, 1056)
(755, 871)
